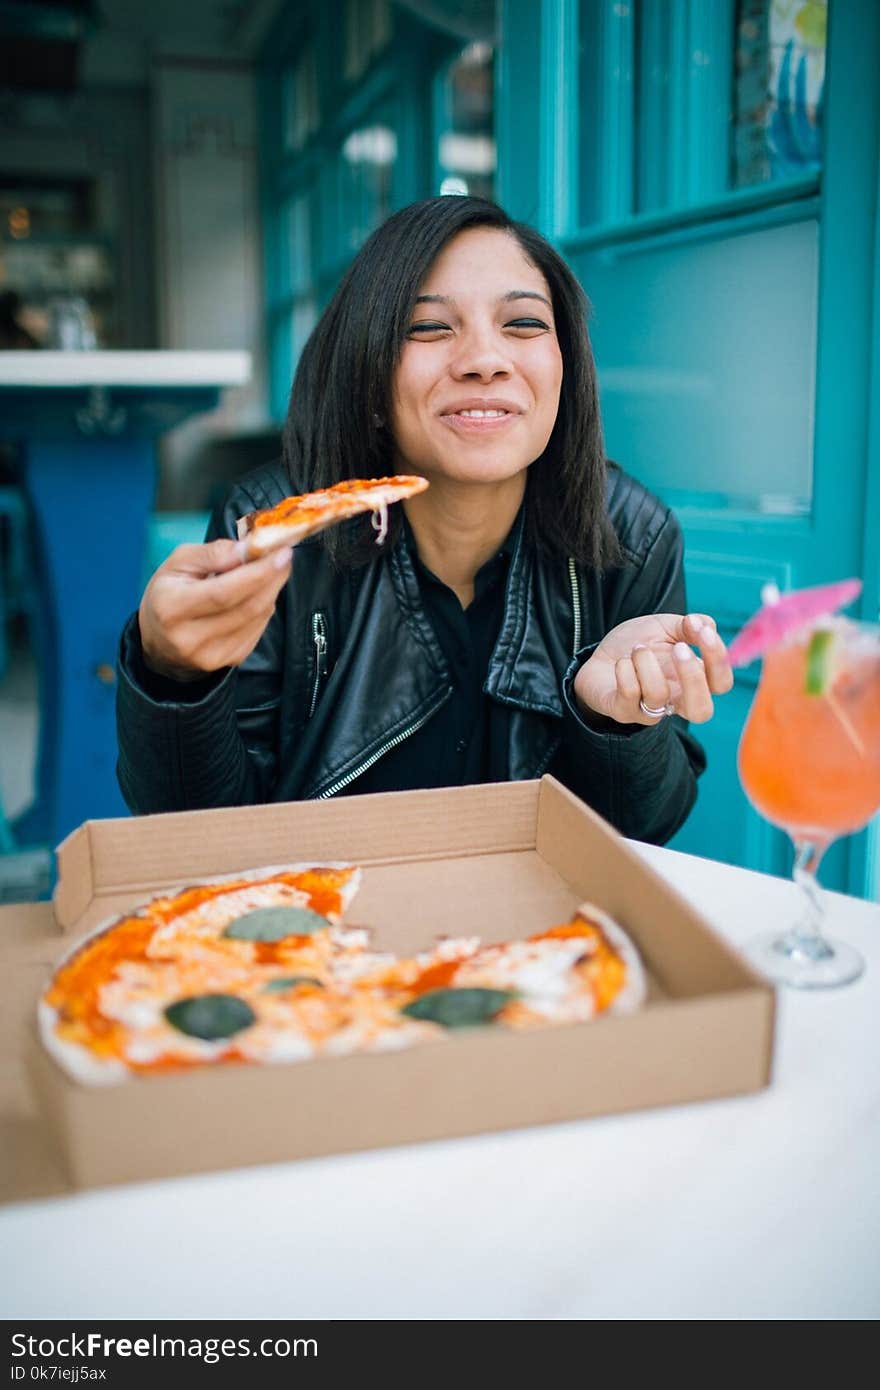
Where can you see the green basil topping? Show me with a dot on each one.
(210, 1016)
(459, 1008)
(275, 923)
(289, 982)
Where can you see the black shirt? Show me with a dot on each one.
(465, 741)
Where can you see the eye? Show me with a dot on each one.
(526, 328)
(427, 328)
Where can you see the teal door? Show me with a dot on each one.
(711, 172)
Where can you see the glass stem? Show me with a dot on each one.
(805, 937)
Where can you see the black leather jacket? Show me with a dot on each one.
(349, 665)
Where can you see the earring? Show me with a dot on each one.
(378, 421)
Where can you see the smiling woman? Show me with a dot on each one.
(525, 611)
(474, 398)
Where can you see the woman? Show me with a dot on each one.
(524, 614)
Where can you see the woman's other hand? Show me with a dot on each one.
(651, 660)
(205, 609)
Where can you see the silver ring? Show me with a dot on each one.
(655, 713)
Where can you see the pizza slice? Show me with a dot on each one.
(174, 982)
(565, 974)
(290, 521)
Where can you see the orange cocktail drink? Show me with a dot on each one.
(809, 758)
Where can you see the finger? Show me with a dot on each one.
(207, 644)
(694, 701)
(694, 626)
(214, 557)
(222, 593)
(653, 684)
(716, 661)
(256, 609)
(218, 654)
(628, 691)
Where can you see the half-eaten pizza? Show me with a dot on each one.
(261, 968)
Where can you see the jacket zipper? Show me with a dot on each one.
(319, 637)
(380, 752)
(413, 728)
(576, 645)
(576, 605)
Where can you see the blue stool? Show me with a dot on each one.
(7, 843)
(13, 563)
(14, 568)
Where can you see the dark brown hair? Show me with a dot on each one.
(341, 391)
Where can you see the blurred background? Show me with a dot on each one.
(196, 177)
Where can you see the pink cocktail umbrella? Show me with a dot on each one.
(782, 614)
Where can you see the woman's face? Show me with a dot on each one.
(475, 395)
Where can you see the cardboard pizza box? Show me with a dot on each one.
(29, 940)
(500, 861)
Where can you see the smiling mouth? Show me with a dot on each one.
(482, 414)
(478, 419)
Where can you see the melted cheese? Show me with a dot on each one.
(379, 520)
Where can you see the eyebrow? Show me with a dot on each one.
(505, 298)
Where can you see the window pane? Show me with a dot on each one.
(594, 123)
(708, 392)
(678, 104)
(466, 153)
(779, 82)
(299, 242)
(366, 174)
(303, 317)
(367, 30)
(300, 98)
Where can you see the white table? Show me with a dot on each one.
(766, 1206)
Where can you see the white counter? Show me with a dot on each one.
(149, 369)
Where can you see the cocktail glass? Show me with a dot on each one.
(809, 760)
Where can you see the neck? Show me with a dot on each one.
(458, 527)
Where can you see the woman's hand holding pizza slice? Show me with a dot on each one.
(207, 606)
(206, 609)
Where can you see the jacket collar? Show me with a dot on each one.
(521, 671)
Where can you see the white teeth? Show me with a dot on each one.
(483, 414)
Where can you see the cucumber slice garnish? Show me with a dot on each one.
(820, 663)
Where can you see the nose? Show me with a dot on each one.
(482, 354)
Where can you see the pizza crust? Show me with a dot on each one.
(79, 1062)
(633, 994)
